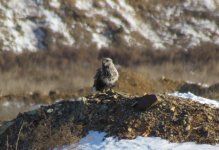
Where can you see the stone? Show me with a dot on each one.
(50, 110)
(5, 126)
(144, 102)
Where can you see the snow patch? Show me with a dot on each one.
(97, 141)
(117, 22)
(84, 4)
(100, 40)
(6, 104)
(190, 96)
(91, 11)
(55, 4)
(201, 5)
(200, 84)
(19, 105)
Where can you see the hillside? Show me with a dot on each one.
(142, 24)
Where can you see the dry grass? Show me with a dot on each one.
(200, 64)
(69, 70)
(44, 80)
(181, 72)
(44, 71)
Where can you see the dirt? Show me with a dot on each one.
(65, 122)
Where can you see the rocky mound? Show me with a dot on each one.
(116, 114)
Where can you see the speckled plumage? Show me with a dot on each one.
(106, 76)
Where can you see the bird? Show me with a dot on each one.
(106, 76)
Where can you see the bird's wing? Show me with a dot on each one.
(98, 74)
(98, 85)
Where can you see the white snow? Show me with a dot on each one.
(19, 105)
(202, 100)
(201, 5)
(172, 11)
(199, 83)
(116, 21)
(6, 104)
(91, 11)
(84, 4)
(97, 36)
(100, 40)
(97, 141)
(55, 4)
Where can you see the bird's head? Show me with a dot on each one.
(106, 62)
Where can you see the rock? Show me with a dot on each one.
(35, 95)
(115, 96)
(172, 108)
(145, 134)
(188, 128)
(84, 99)
(52, 93)
(129, 129)
(145, 102)
(33, 112)
(50, 110)
(103, 108)
(5, 126)
(210, 118)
